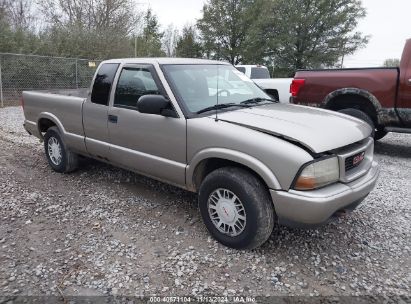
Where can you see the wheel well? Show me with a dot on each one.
(209, 165)
(273, 93)
(354, 101)
(45, 124)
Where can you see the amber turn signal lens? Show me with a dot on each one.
(318, 174)
(305, 183)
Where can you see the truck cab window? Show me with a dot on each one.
(241, 69)
(260, 73)
(103, 83)
(132, 84)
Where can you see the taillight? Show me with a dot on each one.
(296, 86)
(22, 102)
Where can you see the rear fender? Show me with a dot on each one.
(74, 142)
(381, 112)
(54, 119)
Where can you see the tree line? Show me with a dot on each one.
(285, 35)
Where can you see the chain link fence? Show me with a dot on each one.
(31, 72)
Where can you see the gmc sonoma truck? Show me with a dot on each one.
(379, 96)
(251, 160)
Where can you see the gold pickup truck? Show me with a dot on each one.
(204, 126)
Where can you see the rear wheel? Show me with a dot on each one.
(60, 158)
(236, 208)
(380, 133)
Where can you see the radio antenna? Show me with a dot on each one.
(216, 110)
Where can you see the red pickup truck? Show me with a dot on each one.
(379, 96)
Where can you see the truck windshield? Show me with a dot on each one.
(203, 86)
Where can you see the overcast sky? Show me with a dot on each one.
(387, 23)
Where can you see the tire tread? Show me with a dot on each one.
(259, 192)
(70, 160)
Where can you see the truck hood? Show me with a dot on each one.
(316, 129)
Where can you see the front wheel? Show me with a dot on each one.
(60, 158)
(236, 208)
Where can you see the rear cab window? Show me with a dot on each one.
(260, 73)
(241, 69)
(103, 83)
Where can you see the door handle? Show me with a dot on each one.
(113, 118)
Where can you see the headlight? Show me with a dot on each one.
(318, 174)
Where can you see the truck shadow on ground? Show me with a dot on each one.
(139, 185)
(393, 149)
(184, 203)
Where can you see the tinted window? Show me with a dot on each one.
(259, 73)
(132, 84)
(103, 82)
(241, 69)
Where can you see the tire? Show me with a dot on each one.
(360, 115)
(380, 133)
(60, 158)
(256, 207)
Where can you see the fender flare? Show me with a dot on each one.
(355, 91)
(235, 156)
(53, 118)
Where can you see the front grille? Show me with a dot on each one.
(354, 161)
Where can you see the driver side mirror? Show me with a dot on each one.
(157, 105)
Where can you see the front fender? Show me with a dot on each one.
(235, 156)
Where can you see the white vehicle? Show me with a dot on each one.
(276, 87)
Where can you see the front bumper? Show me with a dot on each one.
(311, 208)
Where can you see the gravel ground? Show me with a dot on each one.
(103, 230)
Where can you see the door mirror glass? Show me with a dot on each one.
(155, 104)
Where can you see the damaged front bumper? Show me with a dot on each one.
(313, 208)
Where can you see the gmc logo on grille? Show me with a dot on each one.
(358, 159)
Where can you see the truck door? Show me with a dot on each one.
(95, 112)
(151, 144)
(404, 96)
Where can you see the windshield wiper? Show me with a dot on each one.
(257, 100)
(222, 106)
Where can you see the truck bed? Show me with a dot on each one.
(319, 83)
(81, 92)
(63, 106)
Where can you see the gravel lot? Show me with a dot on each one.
(103, 230)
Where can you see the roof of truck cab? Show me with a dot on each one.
(165, 60)
(250, 66)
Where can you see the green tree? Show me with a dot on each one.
(188, 44)
(392, 62)
(6, 34)
(97, 29)
(149, 43)
(17, 33)
(301, 34)
(224, 27)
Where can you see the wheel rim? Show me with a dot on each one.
(54, 150)
(227, 212)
